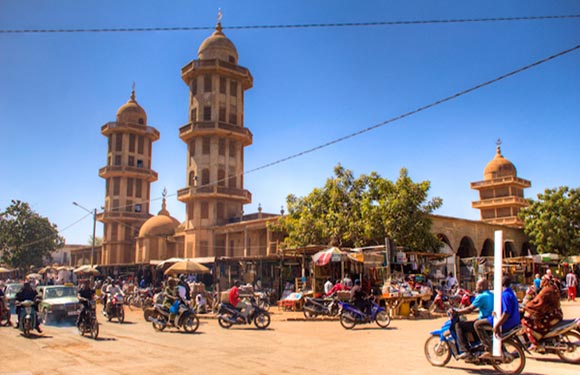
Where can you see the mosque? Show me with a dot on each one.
(215, 225)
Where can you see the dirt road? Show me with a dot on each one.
(287, 347)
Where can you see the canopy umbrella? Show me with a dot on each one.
(186, 267)
(45, 269)
(4, 270)
(34, 276)
(87, 270)
(323, 257)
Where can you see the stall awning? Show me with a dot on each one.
(324, 257)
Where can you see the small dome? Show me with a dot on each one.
(161, 225)
(217, 46)
(499, 167)
(132, 112)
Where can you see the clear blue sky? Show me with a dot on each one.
(311, 85)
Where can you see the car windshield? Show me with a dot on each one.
(59, 292)
(14, 288)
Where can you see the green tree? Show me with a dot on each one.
(26, 238)
(552, 222)
(354, 212)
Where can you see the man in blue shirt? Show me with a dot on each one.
(510, 317)
(483, 302)
(537, 282)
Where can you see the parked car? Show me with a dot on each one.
(10, 292)
(59, 303)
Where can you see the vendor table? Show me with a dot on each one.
(402, 305)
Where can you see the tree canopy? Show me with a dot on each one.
(26, 238)
(552, 222)
(356, 212)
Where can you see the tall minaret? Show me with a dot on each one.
(215, 138)
(129, 175)
(501, 193)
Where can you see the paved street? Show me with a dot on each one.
(287, 347)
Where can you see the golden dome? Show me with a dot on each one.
(132, 112)
(219, 47)
(499, 167)
(161, 225)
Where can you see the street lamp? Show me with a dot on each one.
(94, 213)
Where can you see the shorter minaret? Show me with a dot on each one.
(128, 176)
(501, 193)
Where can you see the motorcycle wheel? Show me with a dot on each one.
(262, 320)
(148, 312)
(95, 329)
(121, 315)
(190, 324)
(223, 322)
(161, 322)
(347, 320)
(27, 327)
(572, 352)
(5, 318)
(436, 351)
(513, 358)
(383, 319)
(309, 314)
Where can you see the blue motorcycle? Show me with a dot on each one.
(350, 316)
(27, 320)
(442, 344)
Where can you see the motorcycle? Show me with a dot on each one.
(88, 320)
(442, 345)
(459, 299)
(28, 319)
(350, 316)
(320, 306)
(115, 309)
(184, 318)
(4, 312)
(263, 300)
(563, 340)
(228, 315)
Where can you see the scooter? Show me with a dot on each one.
(4, 312)
(442, 345)
(350, 316)
(320, 306)
(228, 315)
(27, 320)
(184, 318)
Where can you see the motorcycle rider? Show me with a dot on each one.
(510, 317)
(234, 298)
(85, 296)
(27, 294)
(170, 295)
(186, 289)
(483, 302)
(112, 290)
(358, 297)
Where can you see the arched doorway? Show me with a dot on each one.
(466, 254)
(441, 267)
(487, 250)
(509, 250)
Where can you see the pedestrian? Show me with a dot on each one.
(537, 282)
(571, 283)
(327, 286)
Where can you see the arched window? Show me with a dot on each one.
(205, 177)
(221, 177)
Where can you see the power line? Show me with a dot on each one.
(376, 126)
(291, 26)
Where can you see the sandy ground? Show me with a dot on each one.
(289, 346)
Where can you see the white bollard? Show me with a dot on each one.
(497, 288)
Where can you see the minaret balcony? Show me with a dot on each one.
(107, 216)
(511, 221)
(500, 202)
(127, 171)
(201, 128)
(502, 181)
(116, 127)
(205, 192)
(197, 67)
